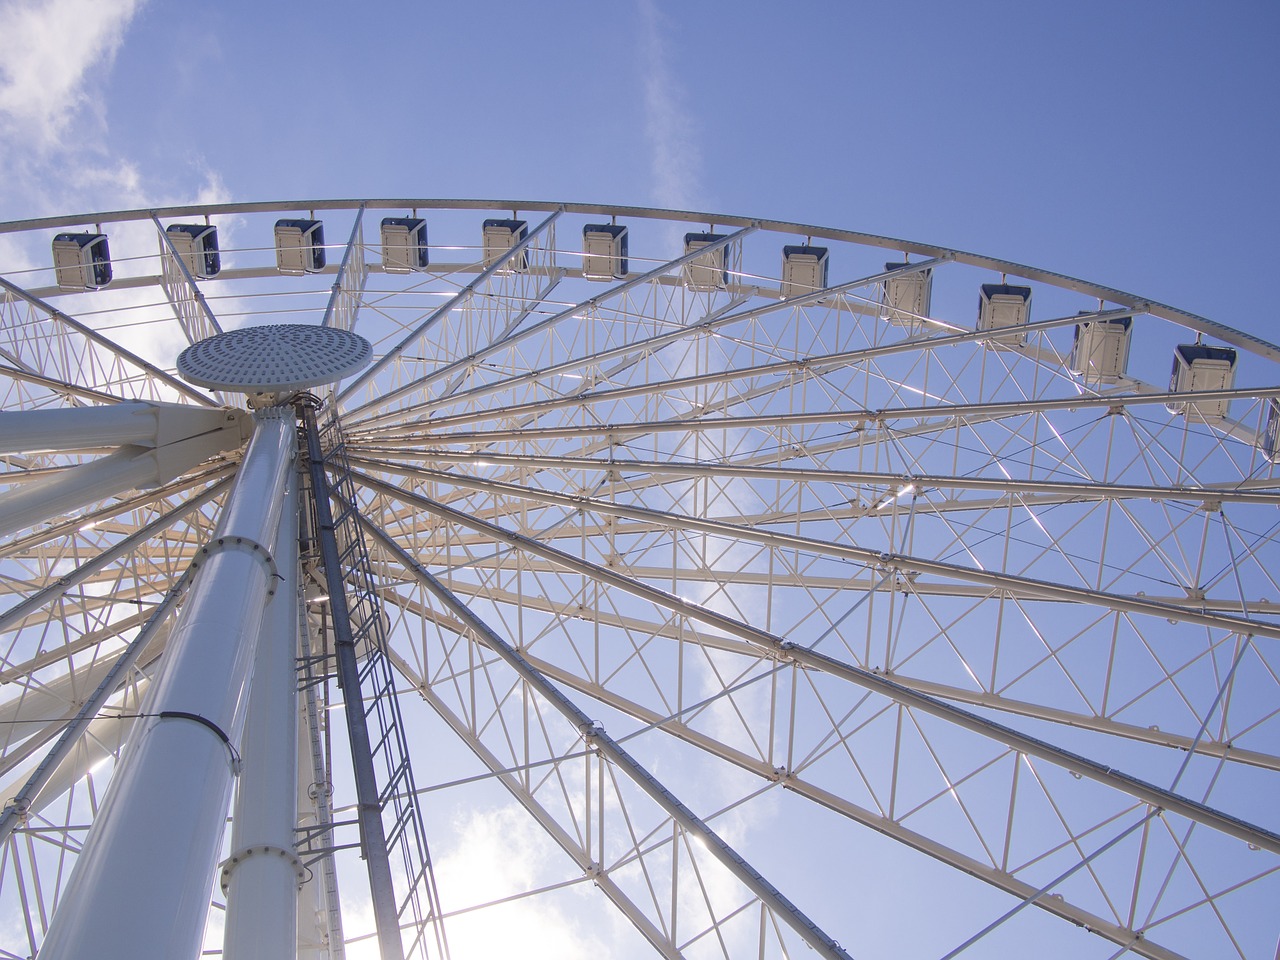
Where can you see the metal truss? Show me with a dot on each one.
(760, 618)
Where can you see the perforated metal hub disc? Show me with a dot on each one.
(284, 356)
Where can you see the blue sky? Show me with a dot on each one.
(1130, 144)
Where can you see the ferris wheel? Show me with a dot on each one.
(419, 578)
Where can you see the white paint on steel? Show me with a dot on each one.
(284, 356)
(130, 467)
(167, 803)
(262, 873)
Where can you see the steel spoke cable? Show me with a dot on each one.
(595, 736)
(1015, 583)
(783, 649)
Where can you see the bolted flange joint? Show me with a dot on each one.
(240, 856)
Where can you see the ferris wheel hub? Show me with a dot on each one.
(274, 358)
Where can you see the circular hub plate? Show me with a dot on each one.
(287, 356)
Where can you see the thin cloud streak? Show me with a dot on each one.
(675, 156)
(54, 125)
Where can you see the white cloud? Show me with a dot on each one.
(53, 119)
(494, 858)
(676, 159)
(55, 154)
(53, 52)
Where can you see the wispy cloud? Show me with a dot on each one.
(52, 51)
(53, 124)
(494, 857)
(670, 129)
(53, 120)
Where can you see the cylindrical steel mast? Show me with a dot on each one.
(164, 813)
(262, 873)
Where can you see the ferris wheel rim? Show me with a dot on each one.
(1191, 321)
(896, 483)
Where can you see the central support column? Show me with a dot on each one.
(141, 885)
(262, 874)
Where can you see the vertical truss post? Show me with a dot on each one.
(373, 840)
(320, 932)
(141, 885)
(197, 320)
(353, 273)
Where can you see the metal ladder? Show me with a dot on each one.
(417, 903)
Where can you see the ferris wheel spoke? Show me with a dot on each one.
(614, 757)
(65, 350)
(915, 649)
(631, 909)
(126, 546)
(631, 350)
(508, 340)
(343, 308)
(782, 360)
(27, 399)
(770, 644)
(460, 374)
(499, 263)
(182, 291)
(41, 852)
(589, 368)
(797, 781)
(1011, 584)
(986, 681)
(1058, 491)
(564, 812)
(474, 311)
(627, 428)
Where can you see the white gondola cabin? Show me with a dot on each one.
(804, 270)
(81, 261)
(499, 237)
(905, 298)
(1100, 351)
(1198, 367)
(404, 244)
(299, 246)
(1001, 306)
(197, 245)
(604, 251)
(710, 271)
